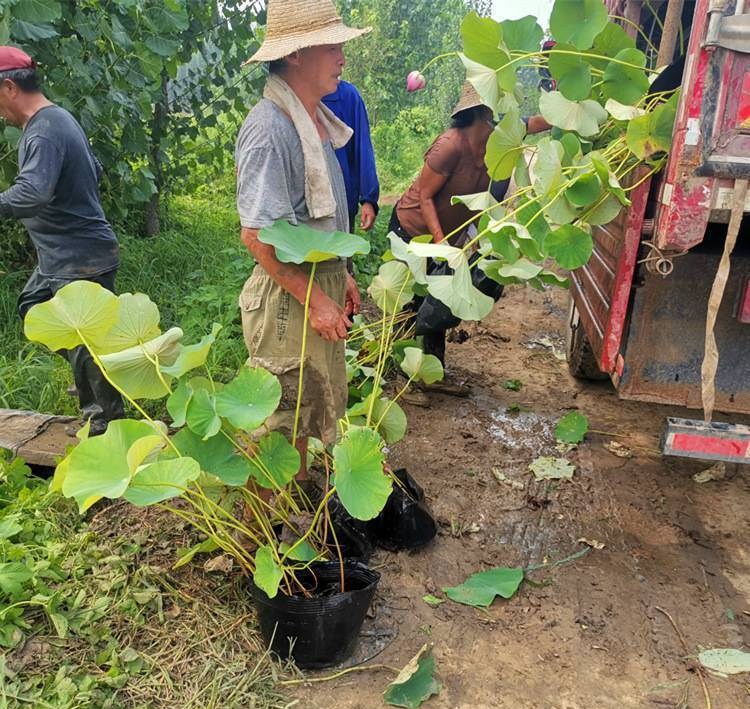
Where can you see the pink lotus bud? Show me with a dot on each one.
(415, 82)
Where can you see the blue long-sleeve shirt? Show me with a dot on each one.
(357, 157)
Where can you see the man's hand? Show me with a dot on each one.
(328, 319)
(367, 218)
(353, 298)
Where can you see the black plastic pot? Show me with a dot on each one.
(356, 538)
(320, 631)
(406, 521)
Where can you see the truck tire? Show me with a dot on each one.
(581, 359)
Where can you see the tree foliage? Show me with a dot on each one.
(146, 78)
(406, 35)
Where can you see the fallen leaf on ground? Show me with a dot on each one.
(593, 543)
(480, 589)
(725, 660)
(547, 344)
(222, 563)
(503, 479)
(415, 683)
(618, 449)
(717, 471)
(433, 601)
(571, 428)
(548, 468)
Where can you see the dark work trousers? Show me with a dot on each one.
(99, 400)
(433, 342)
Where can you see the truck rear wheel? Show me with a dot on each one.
(581, 359)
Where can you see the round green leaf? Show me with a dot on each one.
(303, 244)
(503, 244)
(572, 428)
(135, 371)
(268, 573)
(362, 486)
(523, 35)
(626, 84)
(585, 190)
(547, 167)
(609, 43)
(571, 144)
(482, 38)
(80, 311)
(582, 117)
(531, 216)
(417, 264)
(620, 112)
(248, 400)
(458, 292)
(161, 481)
(392, 288)
(491, 83)
(572, 73)
(192, 356)
(390, 419)
(561, 211)
(570, 246)
(604, 211)
(420, 366)
(415, 684)
(578, 22)
(275, 463)
(480, 589)
(216, 456)
(652, 133)
(201, 414)
(504, 146)
(178, 402)
(103, 466)
(137, 323)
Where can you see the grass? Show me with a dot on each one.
(92, 614)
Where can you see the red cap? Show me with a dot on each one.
(12, 58)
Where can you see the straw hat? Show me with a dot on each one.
(469, 99)
(298, 24)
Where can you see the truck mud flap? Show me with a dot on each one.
(688, 438)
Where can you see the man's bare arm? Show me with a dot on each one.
(327, 318)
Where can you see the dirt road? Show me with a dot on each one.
(592, 636)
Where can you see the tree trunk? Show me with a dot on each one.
(152, 224)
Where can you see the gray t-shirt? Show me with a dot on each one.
(271, 173)
(56, 196)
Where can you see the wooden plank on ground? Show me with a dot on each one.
(40, 439)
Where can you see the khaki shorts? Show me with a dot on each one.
(272, 322)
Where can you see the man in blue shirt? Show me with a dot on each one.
(357, 158)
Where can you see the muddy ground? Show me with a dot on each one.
(592, 637)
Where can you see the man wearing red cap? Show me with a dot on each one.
(56, 196)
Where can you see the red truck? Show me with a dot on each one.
(638, 309)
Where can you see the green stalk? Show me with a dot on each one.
(323, 504)
(302, 356)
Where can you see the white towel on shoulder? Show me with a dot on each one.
(318, 190)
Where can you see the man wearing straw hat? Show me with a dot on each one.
(287, 169)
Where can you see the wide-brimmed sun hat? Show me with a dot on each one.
(297, 24)
(469, 99)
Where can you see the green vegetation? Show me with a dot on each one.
(94, 616)
(194, 272)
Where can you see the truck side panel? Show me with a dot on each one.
(665, 344)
